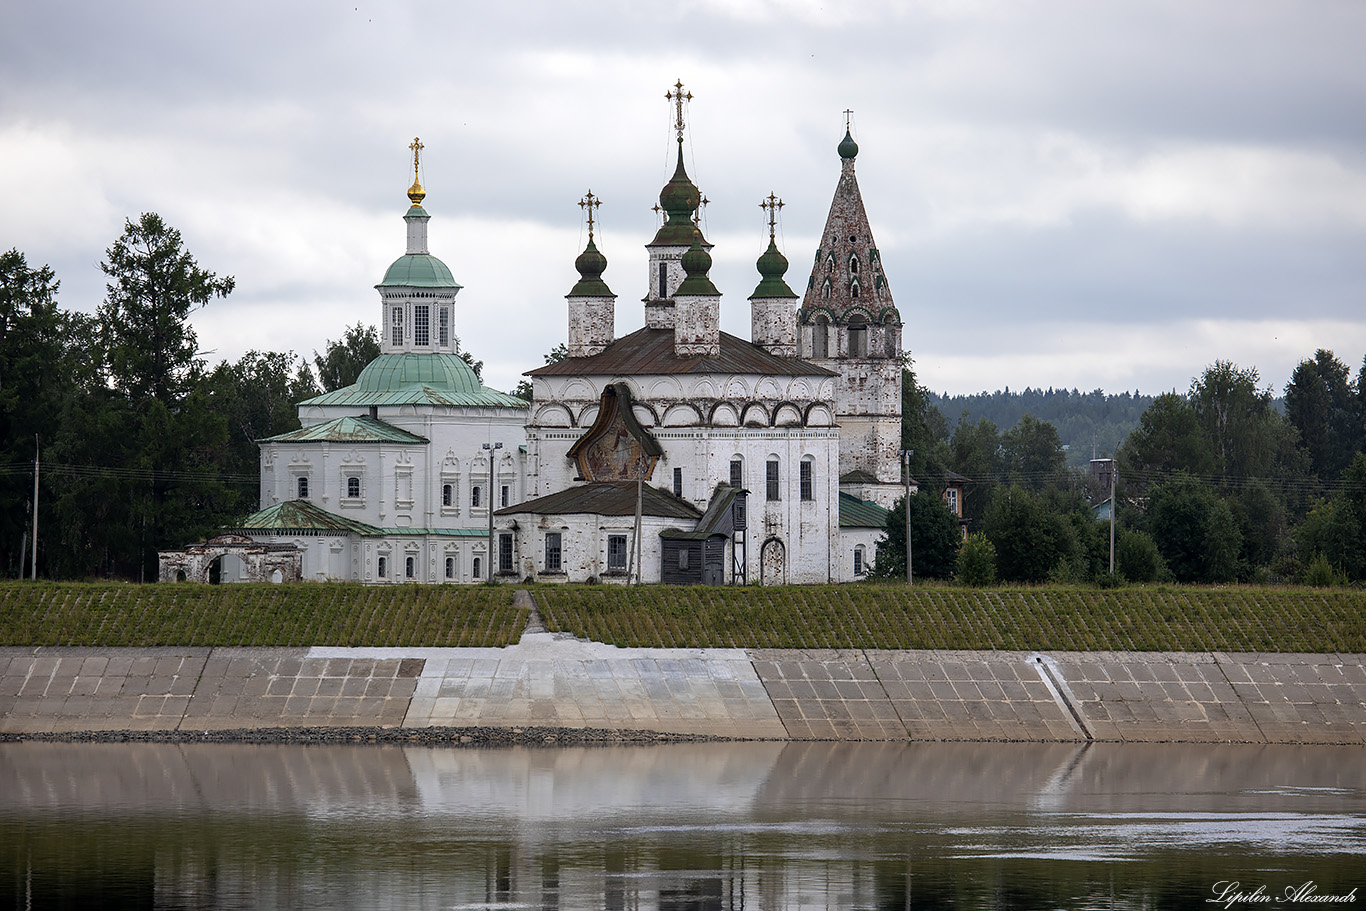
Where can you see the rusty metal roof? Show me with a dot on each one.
(349, 429)
(651, 351)
(606, 498)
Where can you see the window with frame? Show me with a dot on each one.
(663, 280)
(475, 492)
(450, 567)
(353, 487)
(951, 498)
(303, 487)
(807, 481)
(616, 553)
(859, 568)
(553, 557)
(396, 325)
(409, 567)
(820, 339)
(505, 553)
(447, 494)
(382, 567)
(771, 480)
(858, 337)
(503, 497)
(444, 327)
(476, 568)
(678, 482)
(422, 325)
(737, 473)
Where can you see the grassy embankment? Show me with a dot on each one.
(1164, 618)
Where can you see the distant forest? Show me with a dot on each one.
(1086, 421)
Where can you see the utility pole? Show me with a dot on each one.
(492, 449)
(35, 508)
(906, 479)
(1114, 470)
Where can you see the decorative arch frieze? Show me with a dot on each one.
(787, 415)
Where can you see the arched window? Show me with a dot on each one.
(450, 567)
(382, 568)
(808, 479)
(771, 479)
(474, 496)
(303, 488)
(820, 338)
(353, 487)
(478, 567)
(858, 336)
(447, 494)
(737, 472)
(859, 567)
(853, 264)
(409, 567)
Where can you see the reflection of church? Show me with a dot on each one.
(676, 453)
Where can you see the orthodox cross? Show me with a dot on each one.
(697, 217)
(416, 146)
(847, 115)
(678, 96)
(771, 205)
(588, 204)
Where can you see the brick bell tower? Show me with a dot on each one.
(848, 323)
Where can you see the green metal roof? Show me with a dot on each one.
(349, 429)
(856, 513)
(301, 515)
(418, 270)
(411, 378)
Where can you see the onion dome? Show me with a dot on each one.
(696, 263)
(416, 194)
(848, 148)
(680, 199)
(591, 264)
(772, 265)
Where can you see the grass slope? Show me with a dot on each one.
(846, 616)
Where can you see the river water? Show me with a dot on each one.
(680, 826)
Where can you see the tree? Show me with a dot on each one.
(923, 430)
(1320, 403)
(1246, 435)
(1030, 539)
(342, 360)
(1031, 453)
(1195, 531)
(553, 356)
(977, 561)
(475, 365)
(153, 285)
(934, 540)
(1336, 528)
(1168, 438)
(1137, 558)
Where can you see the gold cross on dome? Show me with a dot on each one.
(588, 204)
(771, 205)
(416, 146)
(678, 96)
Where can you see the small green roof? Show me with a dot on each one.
(349, 429)
(856, 513)
(412, 378)
(301, 515)
(418, 270)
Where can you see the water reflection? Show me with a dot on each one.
(696, 826)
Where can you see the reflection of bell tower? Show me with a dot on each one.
(849, 324)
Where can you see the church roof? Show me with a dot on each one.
(418, 270)
(856, 513)
(301, 515)
(651, 351)
(606, 498)
(412, 378)
(348, 429)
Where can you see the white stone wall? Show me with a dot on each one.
(773, 325)
(592, 323)
(584, 545)
(697, 325)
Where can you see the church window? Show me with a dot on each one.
(859, 568)
(853, 264)
(444, 327)
(409, 567)
(450, 567)
(476, 568)
(737, 471)
(616, 553)
(422, 325)
(678, 482)
(504, 500)
(505, 553)
(830, 263)
(447, 494)
(807, 482)
(858, 336)
(303, 488)
(771, 480)
(475, 495)
(826, 287)
(820, 339)
(383, 567)
(396, 325)
(353, 487)
(663, 280)
(553, 561)
(854, 288)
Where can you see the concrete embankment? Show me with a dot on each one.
(550, 682)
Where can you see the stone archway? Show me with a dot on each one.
(773, 563)
(261, 562)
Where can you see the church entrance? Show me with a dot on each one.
(772, 563)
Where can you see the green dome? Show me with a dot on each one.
(439, 371)
(772, 265)
(696, 263)
(848, 148)
(680, 200)
(591, 264)
(418, 270)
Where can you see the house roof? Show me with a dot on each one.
(651, 352)
(301, 515)
(858, 476)
(606, 498)
(715, 521)
(856, 513)
(348, 429)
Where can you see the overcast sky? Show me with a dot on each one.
(1091, 194)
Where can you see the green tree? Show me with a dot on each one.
(1195, 531)
(1168, 438)
(553, 356)
(1030, 539)
(1322, 405)
(154, 283)
(1246, 435)
(934, 539)
(923, 430)
(977, 561)
(1136, 556)
(1031, 453)
(1336, 528)
(342, 360)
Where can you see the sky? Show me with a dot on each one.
(1065, 194)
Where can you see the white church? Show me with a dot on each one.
(677, 453)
